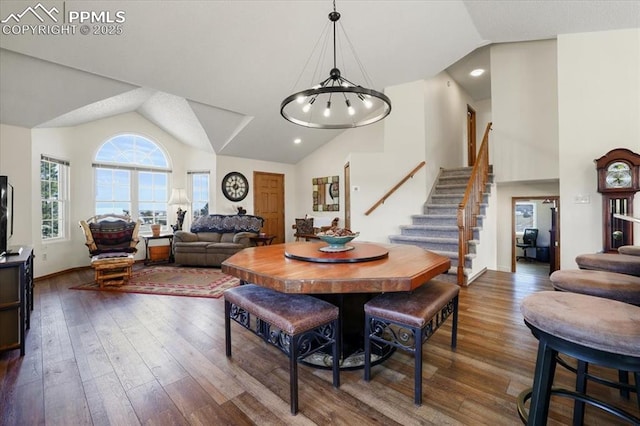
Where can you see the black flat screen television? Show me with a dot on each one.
(6, 213)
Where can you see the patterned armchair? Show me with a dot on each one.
(305, 228)
(111, 235)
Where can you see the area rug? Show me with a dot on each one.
(172, 281)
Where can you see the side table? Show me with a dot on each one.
(263, 240)
(147, 255)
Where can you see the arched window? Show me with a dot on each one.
(132, 177)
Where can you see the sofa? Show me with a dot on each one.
(214, 238)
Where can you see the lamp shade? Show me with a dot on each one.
(178, 196)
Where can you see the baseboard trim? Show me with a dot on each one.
(66, 271)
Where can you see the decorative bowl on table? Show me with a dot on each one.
(337, 243)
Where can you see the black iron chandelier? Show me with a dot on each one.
(336, 102)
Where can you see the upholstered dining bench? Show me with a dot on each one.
(389, 316)
(297, 324)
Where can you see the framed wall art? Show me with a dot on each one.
(326, 194)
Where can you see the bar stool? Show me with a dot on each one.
(611, 262)
(591, 329)
(610, 285)
(630, 250)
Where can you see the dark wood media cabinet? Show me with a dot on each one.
(16, 298)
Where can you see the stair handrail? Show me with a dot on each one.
(395, 188)
(469, 207)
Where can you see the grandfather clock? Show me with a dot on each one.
(618, 182)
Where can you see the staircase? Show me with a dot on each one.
(436, 229)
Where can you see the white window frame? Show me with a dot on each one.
(534, 218)
(62, 199)
(194, 195)
(139, 163)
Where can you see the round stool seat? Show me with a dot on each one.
(610, 285)
(594, 322)
(630, 250)
(611, 262)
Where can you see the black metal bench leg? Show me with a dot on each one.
(227, 328)
(336, 354)
(637, 380)
(542, 382)
(367, 347)
(454, 326)
(293, 374)
(417, 374)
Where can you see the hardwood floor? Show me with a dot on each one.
(111, 358)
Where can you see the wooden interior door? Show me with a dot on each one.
(268, 203)
(471, 136)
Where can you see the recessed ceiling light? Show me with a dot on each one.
(297, 140)
(477, 72)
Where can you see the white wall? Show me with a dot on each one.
(483, 116)
(543, 222)
(15, 155)
(225, 164)
(599, 110)
(329, 160)
(525, 111)
(445, 123)
(377, 173)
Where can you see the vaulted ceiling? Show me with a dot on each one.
(213, 73)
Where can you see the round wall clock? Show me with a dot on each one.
(235, 186)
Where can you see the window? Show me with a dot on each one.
(132, 177)
(152, 197)
(525, 213)
(199, 182)
(54, 190)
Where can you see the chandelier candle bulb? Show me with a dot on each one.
(350, 109)
(307, 107)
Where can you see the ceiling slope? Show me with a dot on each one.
(213, 74)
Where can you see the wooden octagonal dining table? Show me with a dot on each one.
(347, 278)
